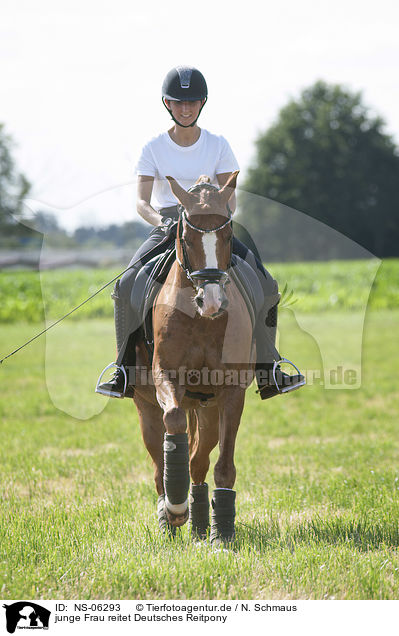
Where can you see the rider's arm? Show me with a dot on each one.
(144, 191)
(222, 178)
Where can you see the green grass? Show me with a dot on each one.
(315, 287)
(317, 481)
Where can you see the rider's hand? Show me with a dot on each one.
(167, 225)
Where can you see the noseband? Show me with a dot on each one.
(200, 278)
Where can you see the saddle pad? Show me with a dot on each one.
(149, 280)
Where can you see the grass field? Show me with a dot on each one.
(317, 480)
(316, 287)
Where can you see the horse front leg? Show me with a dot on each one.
(176, 477)
(231, 406)
(204, 435)
(152, 431)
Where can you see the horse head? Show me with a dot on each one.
(204, 243)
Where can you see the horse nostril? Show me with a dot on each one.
(199, 300)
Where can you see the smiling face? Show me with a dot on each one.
(184, 112)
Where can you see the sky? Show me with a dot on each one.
(80, 89)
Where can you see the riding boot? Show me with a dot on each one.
(120, 384)
(270, 378)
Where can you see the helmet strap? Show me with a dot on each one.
(178, 123)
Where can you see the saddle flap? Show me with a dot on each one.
(147, 284)
(248, 285)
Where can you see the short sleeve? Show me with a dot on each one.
(146, 165)
(227, 161)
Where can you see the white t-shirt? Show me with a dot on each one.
(210, 155)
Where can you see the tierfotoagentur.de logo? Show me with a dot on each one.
(26, 615)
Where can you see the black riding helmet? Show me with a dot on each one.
(184, 83)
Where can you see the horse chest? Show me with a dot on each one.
(204, 351)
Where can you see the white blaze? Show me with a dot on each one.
(209, 245)
(211, 300)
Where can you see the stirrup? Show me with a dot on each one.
(287, 388)
(113, 364)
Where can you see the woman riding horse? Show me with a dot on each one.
(186, 151)
(202, 325)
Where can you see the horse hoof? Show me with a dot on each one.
(199, 536)
(221, 544)
(221, 548)
(176, 520)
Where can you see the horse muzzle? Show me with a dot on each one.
(211, 300)
(211, 297)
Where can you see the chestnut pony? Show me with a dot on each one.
(203, 362)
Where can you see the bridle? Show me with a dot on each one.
(208, 275)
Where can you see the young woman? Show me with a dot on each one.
(186, 151)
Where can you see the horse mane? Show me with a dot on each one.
(203, 179)
(208, 191)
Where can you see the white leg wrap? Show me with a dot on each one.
(177, 509)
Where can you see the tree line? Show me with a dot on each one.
(324, 170)
(324, 178)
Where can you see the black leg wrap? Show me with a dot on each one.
(163, 522)
(176, 477)
(199, 510)
(223, 516)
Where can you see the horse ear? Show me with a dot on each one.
(228, 188)
(185, 198)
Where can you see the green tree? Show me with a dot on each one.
(327, 155)
(13, 188)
